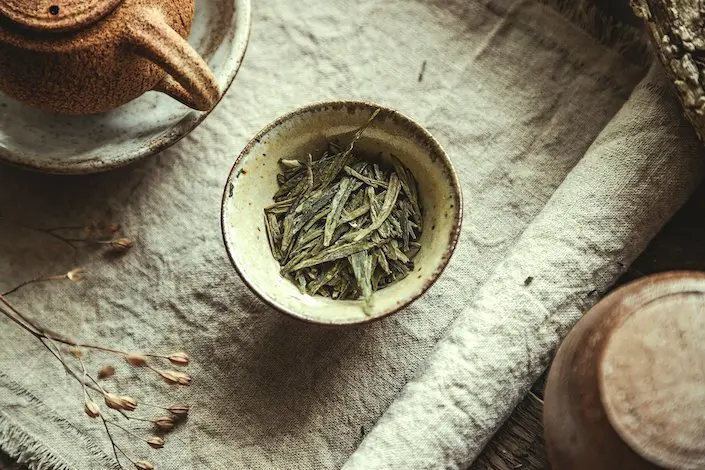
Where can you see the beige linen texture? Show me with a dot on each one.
(515, 92)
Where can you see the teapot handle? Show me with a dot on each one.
(189, 79)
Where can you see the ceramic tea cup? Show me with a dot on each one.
(627, 387)
(253, 182)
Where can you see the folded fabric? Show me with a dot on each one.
(640, 170)
(558, 192)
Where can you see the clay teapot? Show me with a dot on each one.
(626, 390)
(90, 56)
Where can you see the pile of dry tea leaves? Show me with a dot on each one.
(343, 226)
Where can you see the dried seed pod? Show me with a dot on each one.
(122, 244)
(121, 403)
(92, 409)
(173, 377)
(184, 379)
(169, 377)
(164, 423)
(128, 403)
(135, 359)
(155, 442)
(76, 352)
(113, 401)
(143, 465)
(179, 409)
(76, 275)
(179, 359)
(106, 372)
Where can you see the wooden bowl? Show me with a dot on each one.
(627, 388)
(252, 184)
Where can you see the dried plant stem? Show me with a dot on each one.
(34, 281)
(116, 448)
(54, 235)
(28, 322)
(97, 386)
(136, 418)
(57, 345)
(160, 373)
(126, 431)
(83, 382)
(74, 227)
(151, 405)
(44, 333)
(43, 340)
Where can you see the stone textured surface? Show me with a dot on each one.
(98, 67)
(676, 30)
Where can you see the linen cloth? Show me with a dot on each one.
(565, 179)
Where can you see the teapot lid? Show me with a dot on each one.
(56, 15)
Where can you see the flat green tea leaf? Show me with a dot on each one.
(361, 263)
(330, 230)
(355, 214)
(336, 208)
(370, 181)
(270, 237)
(335, 252)
(305, 211)
(387, 207)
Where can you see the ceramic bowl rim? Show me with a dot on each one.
(190, 121)
(408, 300)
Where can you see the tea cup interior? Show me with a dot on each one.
(253, 183)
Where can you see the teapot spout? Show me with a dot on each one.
(171, 87)
(189, 78)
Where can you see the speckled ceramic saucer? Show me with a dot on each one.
(75, 145)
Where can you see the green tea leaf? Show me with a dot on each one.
(335, 252)
(370, 181)
(361, 263)
(270, 229)
(387, 207)
(336, 208)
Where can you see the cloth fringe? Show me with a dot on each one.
(33, 454)
(25, 450)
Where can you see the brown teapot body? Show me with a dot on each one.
(90, 56)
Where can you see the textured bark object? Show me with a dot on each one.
(90, 56)
(627, 388)
(677, 31)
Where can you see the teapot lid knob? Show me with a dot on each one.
(56, 15)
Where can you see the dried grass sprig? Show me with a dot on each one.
(90, 233)
(57, 344)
